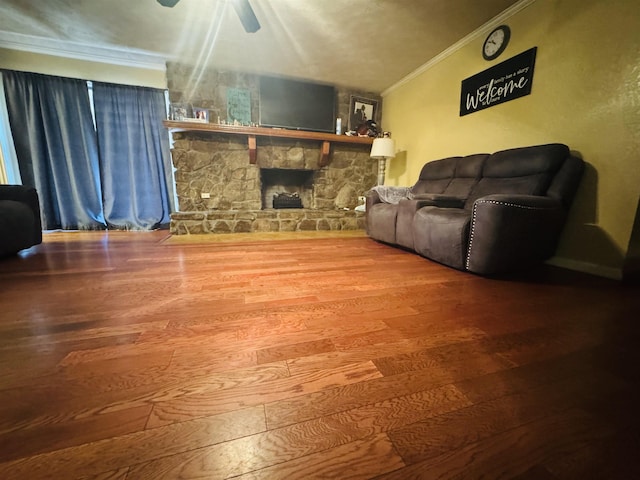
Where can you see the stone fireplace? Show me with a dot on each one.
(219, 178)
(221, 189)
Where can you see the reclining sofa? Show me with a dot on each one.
(483, 213)
(20, 225)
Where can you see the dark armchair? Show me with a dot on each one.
(20, 225)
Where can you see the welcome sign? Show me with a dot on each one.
(506, 81)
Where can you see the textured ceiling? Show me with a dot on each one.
(368, 44)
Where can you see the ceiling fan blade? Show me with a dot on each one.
(247, 17)
(242, 8)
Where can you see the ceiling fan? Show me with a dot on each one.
(242, 8)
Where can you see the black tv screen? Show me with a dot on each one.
(297, 105)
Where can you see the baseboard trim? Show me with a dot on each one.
(586, 267)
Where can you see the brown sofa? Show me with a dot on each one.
(483, 213)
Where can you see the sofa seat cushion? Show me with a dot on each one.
(381, 222)
(441, 234)
(16, 226)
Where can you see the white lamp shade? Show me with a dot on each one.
(383, 148)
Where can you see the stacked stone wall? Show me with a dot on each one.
(220, 191)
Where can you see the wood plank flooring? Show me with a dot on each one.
(124, 356)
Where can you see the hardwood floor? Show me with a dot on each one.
(126, 357)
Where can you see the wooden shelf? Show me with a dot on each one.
(253, 132)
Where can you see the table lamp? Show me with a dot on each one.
(382, 149)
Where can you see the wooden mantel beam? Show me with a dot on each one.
(324, 154)
(253, 152)
(253, 132)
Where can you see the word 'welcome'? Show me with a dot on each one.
(491, 93)
(506, 81)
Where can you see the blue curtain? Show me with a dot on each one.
(56, 146)
(135, 161)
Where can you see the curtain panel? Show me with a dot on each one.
(135, 161)
(114, 173)
(56, 147)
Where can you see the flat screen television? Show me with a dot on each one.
(297, 105)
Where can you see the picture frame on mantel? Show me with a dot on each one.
(361, 109)
(201, 114)
(238, 106)
(179, 111)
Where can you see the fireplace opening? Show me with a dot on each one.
(286, 188)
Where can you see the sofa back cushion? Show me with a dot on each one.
(565, 183)
(520, 171)
(467, 174)
(435, 176)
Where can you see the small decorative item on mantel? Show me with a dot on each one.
(368, 129)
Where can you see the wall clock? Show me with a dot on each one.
(496, 42)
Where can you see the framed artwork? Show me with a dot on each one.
(361, 110)
(179, 111)
(238, 106)
(201, 114)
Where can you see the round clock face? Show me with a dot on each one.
(496, 42)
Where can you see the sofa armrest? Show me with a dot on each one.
(386, 194)
(532, 201)
(392, 194)
(371, 198)
(440, 200)
(513, 230)
(17, 193)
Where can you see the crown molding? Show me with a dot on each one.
(481, 31)
(128, 57)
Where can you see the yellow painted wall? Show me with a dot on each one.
(83, 69)
(586, 93)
